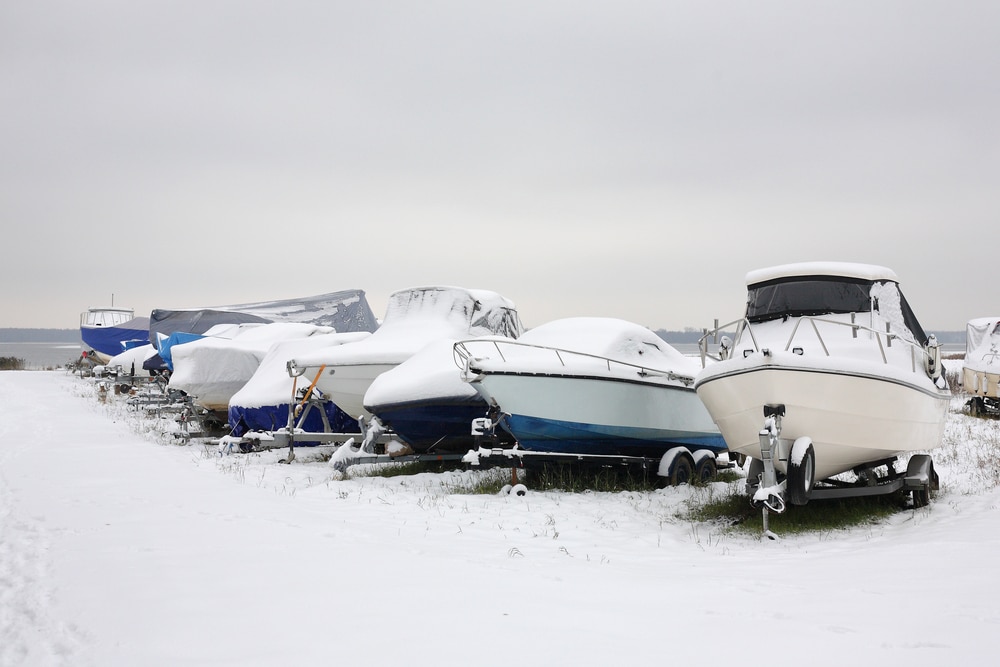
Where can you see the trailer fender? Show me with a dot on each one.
(677, 466)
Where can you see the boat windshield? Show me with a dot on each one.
(811, 296)
(105, 317)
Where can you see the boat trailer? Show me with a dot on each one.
(372, 443)
(798, 486)
(677, 466)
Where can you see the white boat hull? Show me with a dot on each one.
(853, 417)
(588, 414)
(346, 385)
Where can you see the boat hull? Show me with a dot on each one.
(346, 385)
(436, 425)
(595, 415)
(112, 340)
(243, 419)
(852, 417)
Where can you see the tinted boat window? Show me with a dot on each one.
(769, 301)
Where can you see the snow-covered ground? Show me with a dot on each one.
(118, 548)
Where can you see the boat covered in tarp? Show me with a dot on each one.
(981, 367)
(414, 317)
(344, 311)
(110, 331)
(214, 367)
(264, 401)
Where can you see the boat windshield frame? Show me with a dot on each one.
(811, 296)
(106, 317)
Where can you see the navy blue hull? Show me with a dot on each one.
(273, 417)
(112, 341)
(444, 426)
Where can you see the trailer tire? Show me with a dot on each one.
(973, 407)
(922, 495)
(681, 470)
(801, 471)
(705, 470)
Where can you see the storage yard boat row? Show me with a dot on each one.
(827, 373)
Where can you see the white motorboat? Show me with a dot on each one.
(592, 386)
(981, 368)
(829, 372)
(414, 317)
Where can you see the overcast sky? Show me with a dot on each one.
(624, 159)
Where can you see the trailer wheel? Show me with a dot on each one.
(706, 470)
(922, 496)
(801, 471)
(974, 407)
(681, 470)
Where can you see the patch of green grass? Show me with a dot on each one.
(576, 478)
(728, 476)
(489, 483)
(733, 509)
(403, 468)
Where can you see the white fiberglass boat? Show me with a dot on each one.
(829, 372)
(592, 386)
(981, 368)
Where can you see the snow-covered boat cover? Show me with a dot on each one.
(214, 367)
(597, 337)
(417, 316)
(262, 403)
(982, 344)
(345, 311)
(428, 375)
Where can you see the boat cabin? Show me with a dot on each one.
(824, 288)
(105, 317)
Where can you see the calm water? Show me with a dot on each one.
(42, 355)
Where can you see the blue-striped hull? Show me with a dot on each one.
(552, 435)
